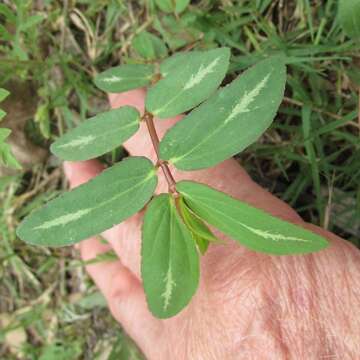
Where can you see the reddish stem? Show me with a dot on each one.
(149, 120)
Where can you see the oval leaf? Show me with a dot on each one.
(149, 46)
(3, 94)
(169, 6)
(172, 63)
(113, 196)
(124, 77)
(170, 262)
(229, 121)
(250, 226)
(186, 86)
(98, 135)
(349, 16)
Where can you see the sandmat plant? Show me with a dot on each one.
(175, 230)
(6, 156)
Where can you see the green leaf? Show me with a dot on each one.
(124, 77)
(3, 94)
(8, 13)
(43, 119)
(202, 243)
(186, 86)
(124, 348)
(170, 262)
(169, 6)
(31, 22)
(5, 181)
(98, 135)
(349, 17)
(354, 74)
(229, 121)
(6, 157)
(200, 231)
(149, 46)
(251, 227)
(170, 64)
(177, 31)
(2, 114)
(116, 194)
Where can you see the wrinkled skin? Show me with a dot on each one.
(249, 305)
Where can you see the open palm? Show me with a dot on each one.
(248, 305)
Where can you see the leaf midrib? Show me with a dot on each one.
(214, 210)
(103, 134)
(148, 77)
(116, 197)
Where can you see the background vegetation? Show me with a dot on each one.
(49, 52)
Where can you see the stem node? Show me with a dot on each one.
(149, 120)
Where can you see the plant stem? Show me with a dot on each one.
(149, 120)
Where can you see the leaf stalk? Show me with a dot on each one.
(149, 120)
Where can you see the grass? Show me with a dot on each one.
(49, 308)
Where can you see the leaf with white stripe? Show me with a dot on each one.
(229, 121)
(111, 197)
(98, 135)
(251, 227)
(187, 85)
(125, 77)
(170, 262)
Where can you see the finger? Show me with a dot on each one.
(122, 290)
(124, 238)
(111, 277)
(133, 313)
(103, 273)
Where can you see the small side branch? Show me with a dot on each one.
(149, 120)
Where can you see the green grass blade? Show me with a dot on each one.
(312, 159)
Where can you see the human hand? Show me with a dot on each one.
(248, 305)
